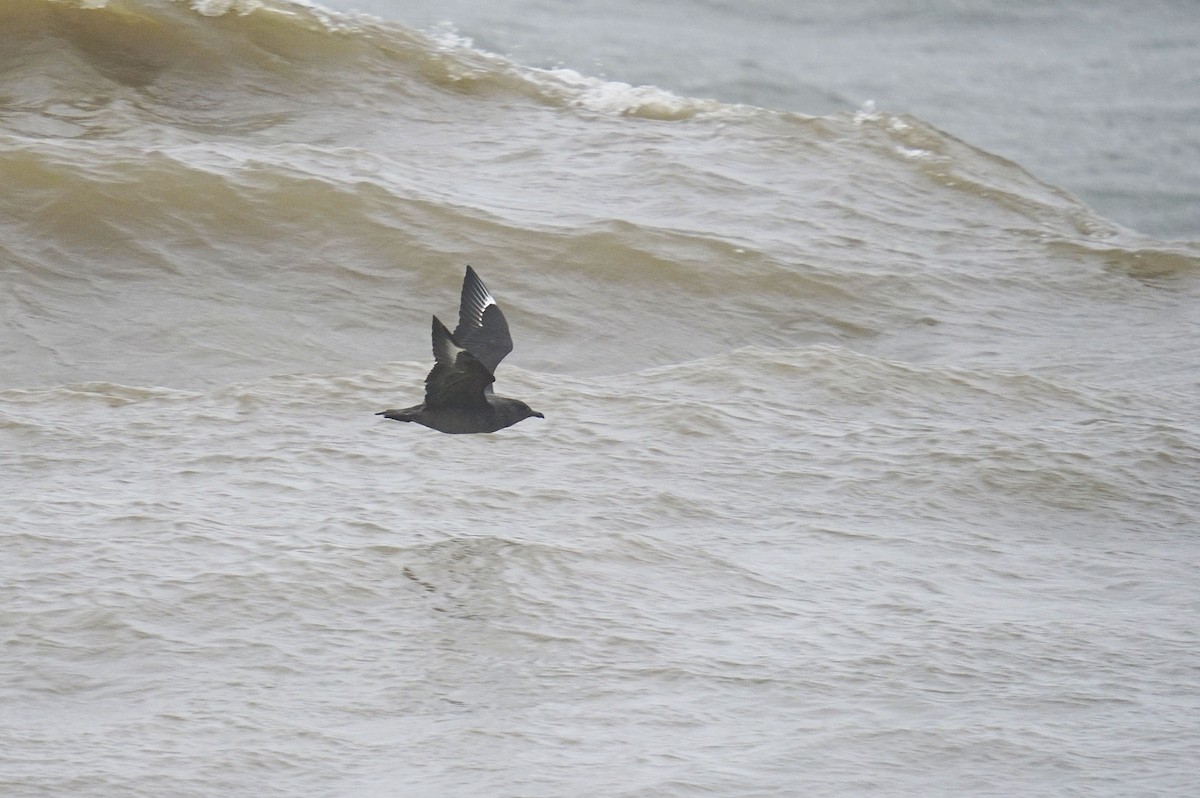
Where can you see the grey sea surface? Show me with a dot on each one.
(1096, 97)
(869, 464)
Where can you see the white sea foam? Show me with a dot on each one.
(217, 8)
(614, 97)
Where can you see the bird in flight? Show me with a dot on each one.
(458, 390)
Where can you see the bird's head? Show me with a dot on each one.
(528, 412)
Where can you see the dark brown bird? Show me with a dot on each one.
(458, 390)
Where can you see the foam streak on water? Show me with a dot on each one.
(868, 465)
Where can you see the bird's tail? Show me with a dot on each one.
(407, 414)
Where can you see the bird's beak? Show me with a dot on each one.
(537, 414)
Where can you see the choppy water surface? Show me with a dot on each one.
(868, 467)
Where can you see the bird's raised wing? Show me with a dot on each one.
(482, 329)
(457, 378)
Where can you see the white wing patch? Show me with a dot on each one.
(482, 298)
(446, 352)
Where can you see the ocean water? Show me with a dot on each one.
(869, 464)
(1091, 95)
